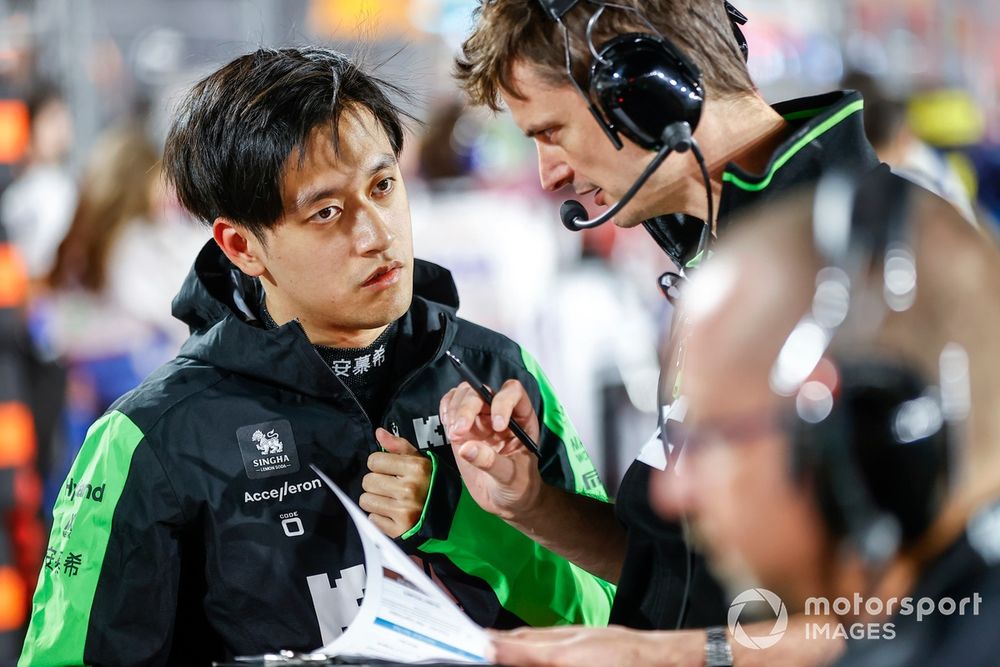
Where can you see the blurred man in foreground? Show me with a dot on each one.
(851, 464)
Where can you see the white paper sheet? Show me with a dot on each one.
(404, 616)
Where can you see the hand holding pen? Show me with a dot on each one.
(503, 478)
(487, 395)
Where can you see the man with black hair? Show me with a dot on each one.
(888, 128)
(192, 527)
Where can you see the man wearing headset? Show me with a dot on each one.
(556, 65)
(907, 508)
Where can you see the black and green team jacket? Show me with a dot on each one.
(191, 526)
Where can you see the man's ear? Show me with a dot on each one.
(241, 247)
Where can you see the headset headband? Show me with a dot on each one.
(558, 8)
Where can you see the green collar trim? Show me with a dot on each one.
(809, 137)
(696, 261)
(804, 113)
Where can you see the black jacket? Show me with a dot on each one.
(663, 585)
(963, 584)
(191, 526)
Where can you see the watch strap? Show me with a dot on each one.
(718, 653)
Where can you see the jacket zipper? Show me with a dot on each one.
(342, 383)
(414, 373)
(402, 385)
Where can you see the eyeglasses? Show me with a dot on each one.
(731, 430)
(738, 19)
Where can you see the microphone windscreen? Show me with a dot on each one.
(570, 213)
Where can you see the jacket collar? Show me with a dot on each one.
(214, 303)
(829, 134)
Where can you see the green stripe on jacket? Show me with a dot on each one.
(530, 581)
(81, 528)
(537, 585)
(586, 481)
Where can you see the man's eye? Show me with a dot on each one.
(327, 213)
(546, 135)
(385, 185)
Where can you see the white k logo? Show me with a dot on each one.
(337, 605)
(430, 432)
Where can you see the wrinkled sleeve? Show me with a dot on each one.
(107, 591)
(532, 582)
(565, 462)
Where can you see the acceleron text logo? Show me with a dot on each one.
(774, 603)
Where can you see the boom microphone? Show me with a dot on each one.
(675, 137)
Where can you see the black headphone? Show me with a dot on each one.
(642, 82)
(867, 431)
(647, 90)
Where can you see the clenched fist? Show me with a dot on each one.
(396, 488)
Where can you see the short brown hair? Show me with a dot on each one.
(510, 30)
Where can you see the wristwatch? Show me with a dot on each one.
(717, 650)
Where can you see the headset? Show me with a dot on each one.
(867, 431)
(646, 89)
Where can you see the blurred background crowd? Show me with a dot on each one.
(93, 247)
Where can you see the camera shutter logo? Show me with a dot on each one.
(780, 618)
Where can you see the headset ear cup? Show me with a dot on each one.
(642, 84)
(900, 442)
(840, 490)
(877, 468)
(811, 466)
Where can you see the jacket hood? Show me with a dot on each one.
(218, 302)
